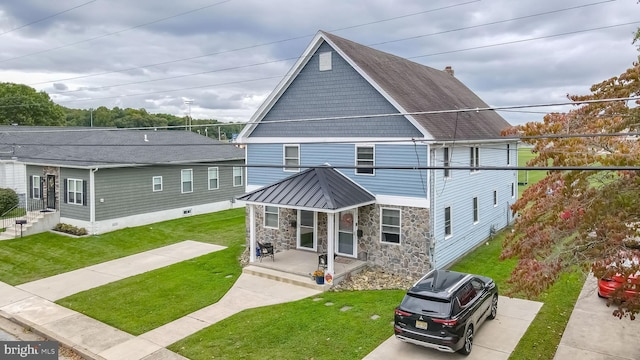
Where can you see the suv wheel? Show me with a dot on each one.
(468, 341)
(494, 307)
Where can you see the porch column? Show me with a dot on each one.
(331, 239)
(252, 233)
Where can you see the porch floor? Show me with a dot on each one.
(298, 265)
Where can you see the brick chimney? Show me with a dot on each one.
(449, 70)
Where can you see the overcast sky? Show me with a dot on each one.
(228, 55)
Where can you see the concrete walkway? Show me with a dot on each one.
(594, 333)
(496, 339)
(59, 286)
(31, 306)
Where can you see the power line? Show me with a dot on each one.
(115, 32)
(253, 46)
(47, 17)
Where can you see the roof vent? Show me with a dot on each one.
(449, 70)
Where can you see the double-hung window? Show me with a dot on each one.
(495, 198)
(447, 221)
(291, 158)
(365, 160)
(157, 183)
(476, 212)
(446, 161)
(271, 217)
(390, 226)
(237, 176)
(187, 180)
(474, 159)
(36, 186)
(75, 189)
(508, 154)
(213, 178)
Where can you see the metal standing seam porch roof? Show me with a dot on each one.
(324, 189)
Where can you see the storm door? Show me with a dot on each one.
(347, 240)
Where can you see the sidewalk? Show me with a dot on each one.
(31, 306)
(594, 333)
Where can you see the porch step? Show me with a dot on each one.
(304, 281)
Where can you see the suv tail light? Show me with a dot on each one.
(402, 313)
(446, 322)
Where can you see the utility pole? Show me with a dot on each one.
(188, 102)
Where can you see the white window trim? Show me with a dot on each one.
(446, 162)
(373, 161)
(508, 154)
(399, 226)
(474, 155)
(209, 178)
(284, 158)
(75, 197)
(324, 61)
(444, 228)
(182, 181)
(495, 198)
(239, 169)
(153, 183)
(513, 190)
(476, 210)
(277, 213)
(35, 185)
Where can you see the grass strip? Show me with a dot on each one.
(47, 254)
(143, 302)
(339, 326)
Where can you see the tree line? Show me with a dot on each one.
(23, 105)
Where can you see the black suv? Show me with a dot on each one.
(444, 308)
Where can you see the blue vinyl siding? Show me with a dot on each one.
(341, 91)
(458, 192)
(409, 183)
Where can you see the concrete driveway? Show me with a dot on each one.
(495, 339)
(593, 333)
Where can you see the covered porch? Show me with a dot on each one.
(296, 266)
(311, 213)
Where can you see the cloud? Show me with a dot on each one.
(229, 55)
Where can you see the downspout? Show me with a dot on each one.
(92, 200)
(252, 233)
(432, 196)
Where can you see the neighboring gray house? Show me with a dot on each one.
(368, 143)
(108, 179)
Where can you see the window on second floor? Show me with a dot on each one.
(186, 178)
(447, 161)
(291, 158)
(213, 178)
(508, 154)
(365, 157)
(474, 162)
(495, 198)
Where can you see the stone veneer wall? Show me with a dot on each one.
(410, 258)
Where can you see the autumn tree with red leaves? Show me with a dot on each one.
(582, 216)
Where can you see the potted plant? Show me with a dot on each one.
(318, 275)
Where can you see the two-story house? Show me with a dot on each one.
(366, 155)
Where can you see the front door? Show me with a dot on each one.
(51, 191)
(307, 230)
(347, 241)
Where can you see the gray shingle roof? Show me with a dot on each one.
(421, 88)
(83, 147)
(320, 188)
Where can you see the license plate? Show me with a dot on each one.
(421, 325)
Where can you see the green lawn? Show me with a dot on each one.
(46, 254)
(305, 329)
(140, 303)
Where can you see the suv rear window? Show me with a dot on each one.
(426, 305)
